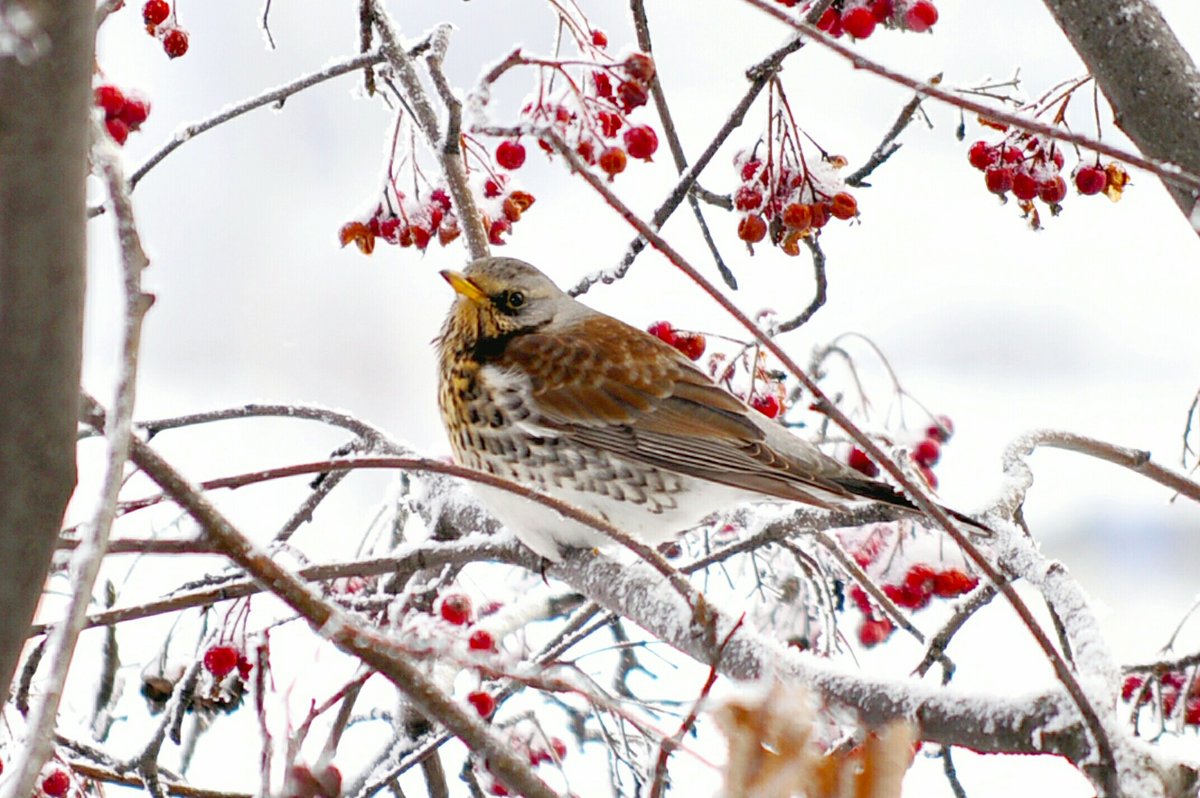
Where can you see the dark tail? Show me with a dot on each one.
(883, 492)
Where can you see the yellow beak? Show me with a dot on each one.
(463, 285)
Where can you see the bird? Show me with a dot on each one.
(538, 388)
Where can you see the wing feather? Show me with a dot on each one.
(606, 385)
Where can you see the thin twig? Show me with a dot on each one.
(642, 27)
(886, 147)
(818, 300)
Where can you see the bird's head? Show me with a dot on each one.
(499, 297)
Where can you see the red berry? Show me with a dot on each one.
(117, 129)
(1191, 711)
(483, 702)
(560, 748)
(610, 123)
(953, 582)
(843, 206)
(440, 198)
(663, 331)
(859, 22)
(921, 16)
(599, 39)
(1056, 155)
(982, 155)
(632, 95)
(941, 429)
(420, 237)
(494, 186)
(907, 596)
(641, 142)
(690, 344)
(883, 10)
(927, 452)
(1011, 155)
(56, 784)
(828, 20)
(999, 179)
(510, 154)
(1173, 680)
(1024, 187)
(603, 83)
(221, 660)
(244, 666)
(390, 229)
(920, 577)
(155, 12)
(860, 598)
(481, 640)
(455, 608)
(752, 229)
(135, 112)
(797, 216)
(747, 198)
(110, 98)
(821, 212)
(587, 151)
(767, 404)
(175, 42)
(1091, 180)
(859, 461)
(639, 67)
(875, 631)
(750, 169)
(1131, 686)
(1053, 191)
(613, 161)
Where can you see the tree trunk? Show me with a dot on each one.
(1146, 74)
(44, 138)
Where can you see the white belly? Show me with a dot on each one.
(651, 522)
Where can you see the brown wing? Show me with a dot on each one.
(607, 385)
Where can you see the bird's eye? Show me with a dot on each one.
(516, 299)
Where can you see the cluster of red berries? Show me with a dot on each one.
(456, 609)
(914, 591)
(123, 113)
(525, 738)
(221, 660)
(787, 199)
(766, 398)
(417, 222)
(1023, 165)
(860, 18)
(597, 114)
(926, 453)
(56, 784)
(1170, 687)
(156, 14)
(690, 344)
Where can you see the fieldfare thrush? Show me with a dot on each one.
(538, 388)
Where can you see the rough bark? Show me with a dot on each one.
(44, 136)
(1146, 74)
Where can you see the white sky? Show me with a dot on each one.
(1088, 325)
